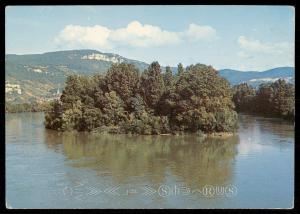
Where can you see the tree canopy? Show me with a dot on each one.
(196, 99)
(275, 99)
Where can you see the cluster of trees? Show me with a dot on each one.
(275, 99)
(26, 107)
(124, 100)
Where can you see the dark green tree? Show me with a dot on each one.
(53, 116)
(243, 97)
(283, 98)
(91, 119)
(168, 78)
(152, 85)
(113, 110)
(154, 103)
(180, 69)
(201, 94)
(270, 99)
(124, 80)
(263, 100)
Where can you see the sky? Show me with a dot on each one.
(247, 38)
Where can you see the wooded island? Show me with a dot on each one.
(124, 100)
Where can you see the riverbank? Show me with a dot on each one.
(113, 131)
(269, 116)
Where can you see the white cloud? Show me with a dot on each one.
(258, 55)
(197, 32)
(270, 48)
(138, 35)
(75, 35)
(134, 34)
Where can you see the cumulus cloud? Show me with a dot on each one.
(75, 35)
(197, 32)
(258, 55)
(138, 35)
(270, 48)
(134, 34)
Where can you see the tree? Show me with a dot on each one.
(72, 91)
(113, 110)
(91, 119)
(264, 99)
(283, 98)
(272, 99)
(98, 91)
(201, 94)
(180, 69)
(243, 97)
(53, 116)
(71, 118)
(122, 101)
(124, 80)
(168, 78)
(137, 105)
(152, 85)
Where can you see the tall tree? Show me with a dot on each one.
(152, 85)
(124, 80)
(113, 110)
(203, 101)
(264, 99)
(243, 97)
(180, 69)
(272, 99)
(168, 78)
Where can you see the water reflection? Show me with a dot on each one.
(275, 126)
(42, 163)
(195, 161)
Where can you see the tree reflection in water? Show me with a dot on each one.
(273, 126)
(195, 161)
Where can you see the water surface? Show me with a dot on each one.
(48, 169)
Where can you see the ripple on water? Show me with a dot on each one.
(41, 164)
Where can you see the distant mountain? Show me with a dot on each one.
(42, 76)
(255, 78)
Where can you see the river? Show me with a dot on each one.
(48, 169)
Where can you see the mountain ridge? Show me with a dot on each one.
(38, 76)
(255, 78)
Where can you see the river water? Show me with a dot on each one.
(48, 169)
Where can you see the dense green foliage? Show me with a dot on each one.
(243, 97)
(180, 69)
(127, 101)
(26, 107)
(273, 99)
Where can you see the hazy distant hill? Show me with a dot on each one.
(36, 76)
(39, 75)
(255, 78)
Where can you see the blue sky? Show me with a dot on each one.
(237, 37)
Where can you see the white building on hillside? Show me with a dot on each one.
(9, 88)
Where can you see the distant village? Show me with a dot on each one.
(15, 89)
